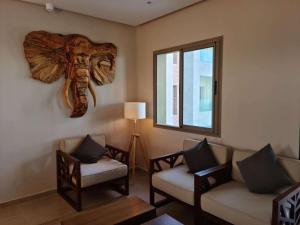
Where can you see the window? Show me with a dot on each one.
(187, 87)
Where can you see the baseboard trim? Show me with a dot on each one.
(27, 198)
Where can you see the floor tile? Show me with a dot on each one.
(51, 209)
(44, 209)
(11, 215)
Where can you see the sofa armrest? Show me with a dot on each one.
(221, 173)
(118, 154)
(223, 169)
(170, 160)
(286, 207)
(68, 170)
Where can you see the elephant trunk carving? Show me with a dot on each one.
(81, 60)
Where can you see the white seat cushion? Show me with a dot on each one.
(233, 202)
(104, 170)
(176, 182)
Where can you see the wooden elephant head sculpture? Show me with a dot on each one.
(50, 55)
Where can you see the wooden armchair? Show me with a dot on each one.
(155, 166)
(229, 202)
(74, 177)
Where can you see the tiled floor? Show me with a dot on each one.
(50, 209)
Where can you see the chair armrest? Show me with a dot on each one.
(170, 160)
(286, 207)
(67, 157)
(118, 154)
(68, 169)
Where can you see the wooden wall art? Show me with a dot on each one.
(50, 55)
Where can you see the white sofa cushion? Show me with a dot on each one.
(68, 145)
(104, 170)
(233, 202)
(176, 182)
(291, 166)
(221, 152)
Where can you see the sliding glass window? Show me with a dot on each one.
(187, 87)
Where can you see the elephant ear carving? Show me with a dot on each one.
(103, 63)
(45, 53)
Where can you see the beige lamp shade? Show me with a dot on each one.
(135, 110)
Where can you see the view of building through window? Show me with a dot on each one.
(198, 87)
(187, 87)
(168, 89)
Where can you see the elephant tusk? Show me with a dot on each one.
(93, 92)
(66, 93)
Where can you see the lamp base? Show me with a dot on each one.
(136, 139)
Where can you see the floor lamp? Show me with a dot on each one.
(135, 111)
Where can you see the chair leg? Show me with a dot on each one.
(127, 185)
(79, 201)
(152, 196)
(199, 220)
(58, 186)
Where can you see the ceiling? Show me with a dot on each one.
(131, 12)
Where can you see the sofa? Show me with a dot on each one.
(231, 201)
(219, 194)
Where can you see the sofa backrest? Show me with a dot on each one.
(221, 152)
(68, 145)
(291, 166)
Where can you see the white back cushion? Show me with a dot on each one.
(291, 166)
(68, 145)
(239, 155)
(221, 152)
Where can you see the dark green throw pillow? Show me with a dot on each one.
(89, 151)
(199, 157)
(263, 173)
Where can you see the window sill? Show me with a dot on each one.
(202, 131)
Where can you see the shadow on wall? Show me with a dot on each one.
(38, 173)
(111, 122)
(107, 113)
(286, 151)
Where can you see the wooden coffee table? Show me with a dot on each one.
(163, 220)
(124, 211)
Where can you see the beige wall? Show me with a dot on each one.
(32, 115)
(261, 79)
(261, 70)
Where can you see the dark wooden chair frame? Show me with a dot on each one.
(69, 175)
(222, 174)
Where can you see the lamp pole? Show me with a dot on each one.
(135, 111)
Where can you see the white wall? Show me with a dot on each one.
(32, 114)
(261, 70)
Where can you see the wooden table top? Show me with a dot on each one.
(112, 213)
(163, 220)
